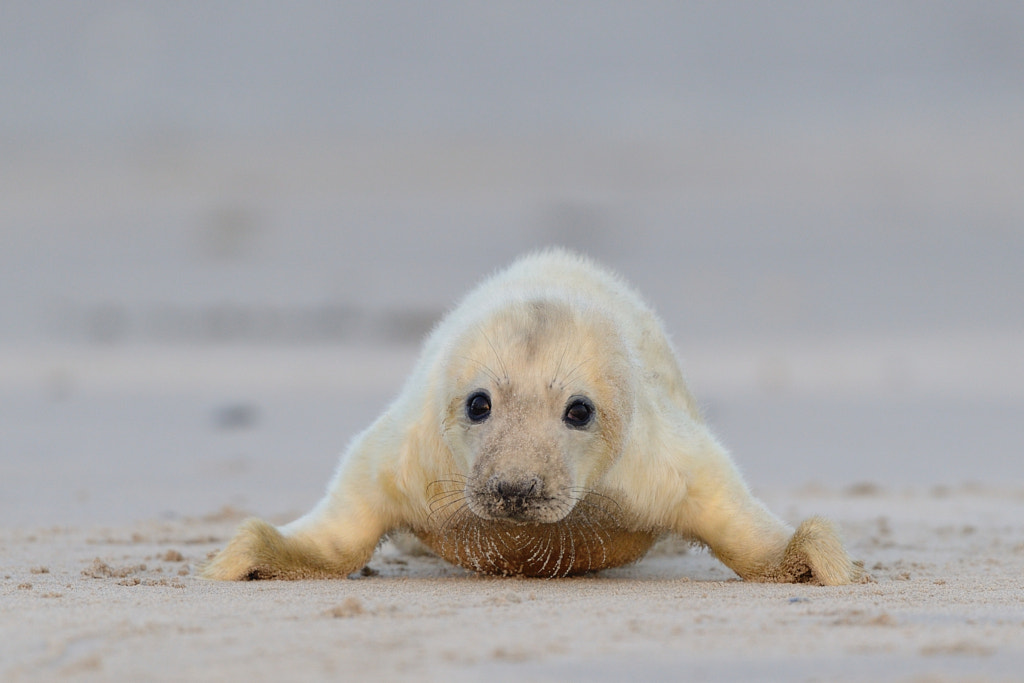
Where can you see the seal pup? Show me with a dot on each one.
(546, 430)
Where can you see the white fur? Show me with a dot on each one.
(550, 326)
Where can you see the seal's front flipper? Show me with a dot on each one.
(815, 554)
(720, 512)
(261, 551)
(756, 545)
(335, 538)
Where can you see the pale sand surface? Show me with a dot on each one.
(124, 603)
(125, 469)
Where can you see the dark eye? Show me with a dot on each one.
(579, 412)
(478, 406)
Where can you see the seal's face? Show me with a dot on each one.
(538, 398)
(527, 448)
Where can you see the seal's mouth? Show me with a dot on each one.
(521, 500)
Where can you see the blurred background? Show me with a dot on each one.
(226, 226)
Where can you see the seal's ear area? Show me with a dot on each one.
(260, 551)
(815, 554)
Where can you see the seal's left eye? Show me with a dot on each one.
(478, 406)
(579, 412)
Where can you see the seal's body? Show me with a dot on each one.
(546, 430)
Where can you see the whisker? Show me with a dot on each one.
(451, 517)
(490, 373)
(540, 544)
(441, 495)
(606, 518)
(572, 373)
(437, 507)
(590, 493)
(572, 550)
(564, 507)
(457, 478)
(596, 533)
(580, 541)
(548, 550)
(558, 368)
(495, 351)
(443, 483)
(447, 493)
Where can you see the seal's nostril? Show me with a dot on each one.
(515, 491)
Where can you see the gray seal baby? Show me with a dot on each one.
(546, 430)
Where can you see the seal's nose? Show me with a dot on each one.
(513, 495)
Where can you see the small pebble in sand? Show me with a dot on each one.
(101, 570)
(350, 608)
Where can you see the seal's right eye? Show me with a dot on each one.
(478, 406)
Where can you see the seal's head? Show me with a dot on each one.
(539, 395)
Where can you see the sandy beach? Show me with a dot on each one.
(99, 576)
(108, 603)
(225, 228)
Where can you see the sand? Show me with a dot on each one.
(122, 603)
(147, 468)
